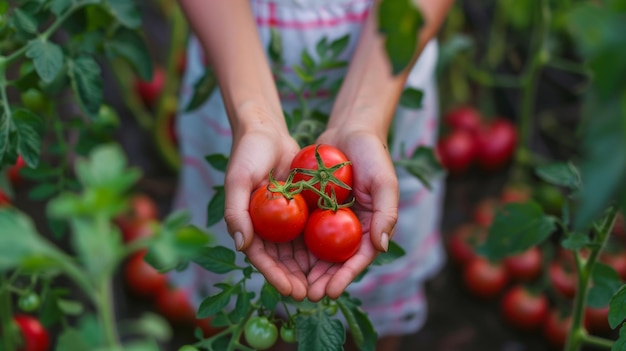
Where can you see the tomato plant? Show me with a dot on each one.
(463, 117)
(523, 308)
(333, 236)
(141, 278)
(485, 210)
(463, 241)
(485, 279)
(331, 172)
(150, 90)
(563, 278)
(457, 150)
(495, 144)
(29, 302)
(34, 336)
(260, 332)
(276, 217)
(175, 305)
(33, 99)
(288, 333)
(525, 266)
(14, 171)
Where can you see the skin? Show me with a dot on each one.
(358, 125)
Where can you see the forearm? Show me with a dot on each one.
(370, 92)
(228, 34)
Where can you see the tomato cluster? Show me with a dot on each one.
(471, 139)
(532, 289)
(314, 201)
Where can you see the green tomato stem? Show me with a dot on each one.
(597, 341)
(104, 305)
(6, 316)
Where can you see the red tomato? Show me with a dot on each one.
(563, 278)
(496, 143)
(135, 229)
(175, 305)
(141, 278)
(333, 236)
(597, 320)
(276, 218)
(525, 266)
(485, 279)
(463, 117)
(515, 193)
(34, 336)
(4, 199)
(14, 171)
(143, 207)
(331, 156)
(523, 309)
(556, 328)
(149, 91)
(485, 211)
(463, 241)
(456, 151)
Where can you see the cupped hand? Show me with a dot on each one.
(254, 154)
(375, 187)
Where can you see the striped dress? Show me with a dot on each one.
(392, 295)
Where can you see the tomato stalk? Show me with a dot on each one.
(104, 304)
(577, 335)
(6, 316)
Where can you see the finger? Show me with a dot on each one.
(350, 270)
(236, 211)
(385, 201)
(267, 265)
(295, 275)
(320, 275)
(301, 255)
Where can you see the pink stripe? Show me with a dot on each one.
(316, 23)
(213, 124)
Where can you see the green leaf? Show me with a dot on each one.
(275, 46)
(59, 6)
(617, 308)
(41, 172)
(130, 46)
(337, 46)
(217, 259)
(620, 343)
(70, 307)
(303, 75)
(91, 330)
(517, 227)
(321, 48)
(96, 247)
(399, 21)
(42, 191)
(106, 168)
(215, 209)
(19, 240)
(319, 332)
(451, 48)
(72, 340)
(87, 83)
(126, 12)
(47, 58)
(29, 129)
(561, 174)
(606, 282)
(242, 305)
(361, 328)
(202, 89)
(576, 241)
(411, 98)
(423, 164)
(394, 252)
(215, 303)
(307, 60)
(269, 296)
(218, 161)
(152, 325)
(24, 21)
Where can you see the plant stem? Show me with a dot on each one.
(106, 313)
(598, 341)
(6, 320)
(585, 268)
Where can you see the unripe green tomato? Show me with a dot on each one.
(260, 333)
(33, 100)
(188, 348)
(331, 308)
(288, 333)
(29, 302)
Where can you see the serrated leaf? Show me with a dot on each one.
(126, 12)
(19, 240)
(423, 164)
(321, 48)
(307, 60)
(576, 241)
(96, 247)
(394, 252)
(215, 209)
(28, 126)
(269, 296)
(59, 6)
(202, 89)
(517, 227)
(411, 98)
(130, 46)
(42, 191)
(617, 308)
(217, 259)
(303, 75)
(87, 83)
(319, 332)
(606, 282)
(217, 161)
(215, 303)
(242, 305)
(338, 45)
(361, 328)
(561, 174)
(24, 21)
(47, 58)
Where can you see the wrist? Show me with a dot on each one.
(254, 115)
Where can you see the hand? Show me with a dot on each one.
(255, 152)
(375, 187)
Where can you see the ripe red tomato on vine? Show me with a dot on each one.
(34, 336)
(175, 305)
(526, 265)
(495, 144)
(463, 241)
(485, 279)
(456, 151)
(333, 236)
(524, 309)
(275, 217)
(328, 172)
(141, 278)
(463, 117)
(149, 91)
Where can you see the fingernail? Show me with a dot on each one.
(384, 241)
(238, 240)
